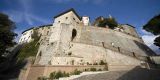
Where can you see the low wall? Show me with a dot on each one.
(36, 71)
(121, 67)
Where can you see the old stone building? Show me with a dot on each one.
(70, 41)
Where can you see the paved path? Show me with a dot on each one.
(135, 74)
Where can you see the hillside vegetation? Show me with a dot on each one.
(29, 49)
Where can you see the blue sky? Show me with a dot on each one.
(30, 13)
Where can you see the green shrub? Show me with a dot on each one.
(65, 74)
(29, 49)
(111, 22)
(52, 75)
(95, 63)
(58, 74)
(41, 78)
(101, 62)
(76, 72)
(86, 69)
(99, 69)
(92, 69)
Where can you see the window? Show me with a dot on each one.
(74, 19)
(24, 33)
(66, 17)
(47, 32)
(58, 21)
(74, 33)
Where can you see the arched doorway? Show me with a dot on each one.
(74, 33)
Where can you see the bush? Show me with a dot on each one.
(58, 74)
(101, 62)
(86, 69)
(76, 72)
(52, 75)
(111, 22)
(92, 69)
(41, 78)
(99, 69)
(65, 74)
(29, 49)
(95, 63)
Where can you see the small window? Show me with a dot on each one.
(74, 33)
(47, 32)
(66, 17)
(77, 22)
(74, 19)
(48, 27)
(58, 21)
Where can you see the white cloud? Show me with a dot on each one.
(30, 18)
(19, 16)
(145, 32)
(24, 15)
(149, 40)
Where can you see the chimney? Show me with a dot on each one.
(85, 20)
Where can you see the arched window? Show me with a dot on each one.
(74, 33)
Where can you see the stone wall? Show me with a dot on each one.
(94, 54)
(95, 36)
(93, 44)
(36, 71)
(26, 36)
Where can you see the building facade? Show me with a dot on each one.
(70, 41)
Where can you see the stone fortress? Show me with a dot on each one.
(71, 40)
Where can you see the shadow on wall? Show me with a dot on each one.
(145, 49)
(140, 74)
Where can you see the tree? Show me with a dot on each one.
(103, 22)
(153, 26)
(7, 34)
